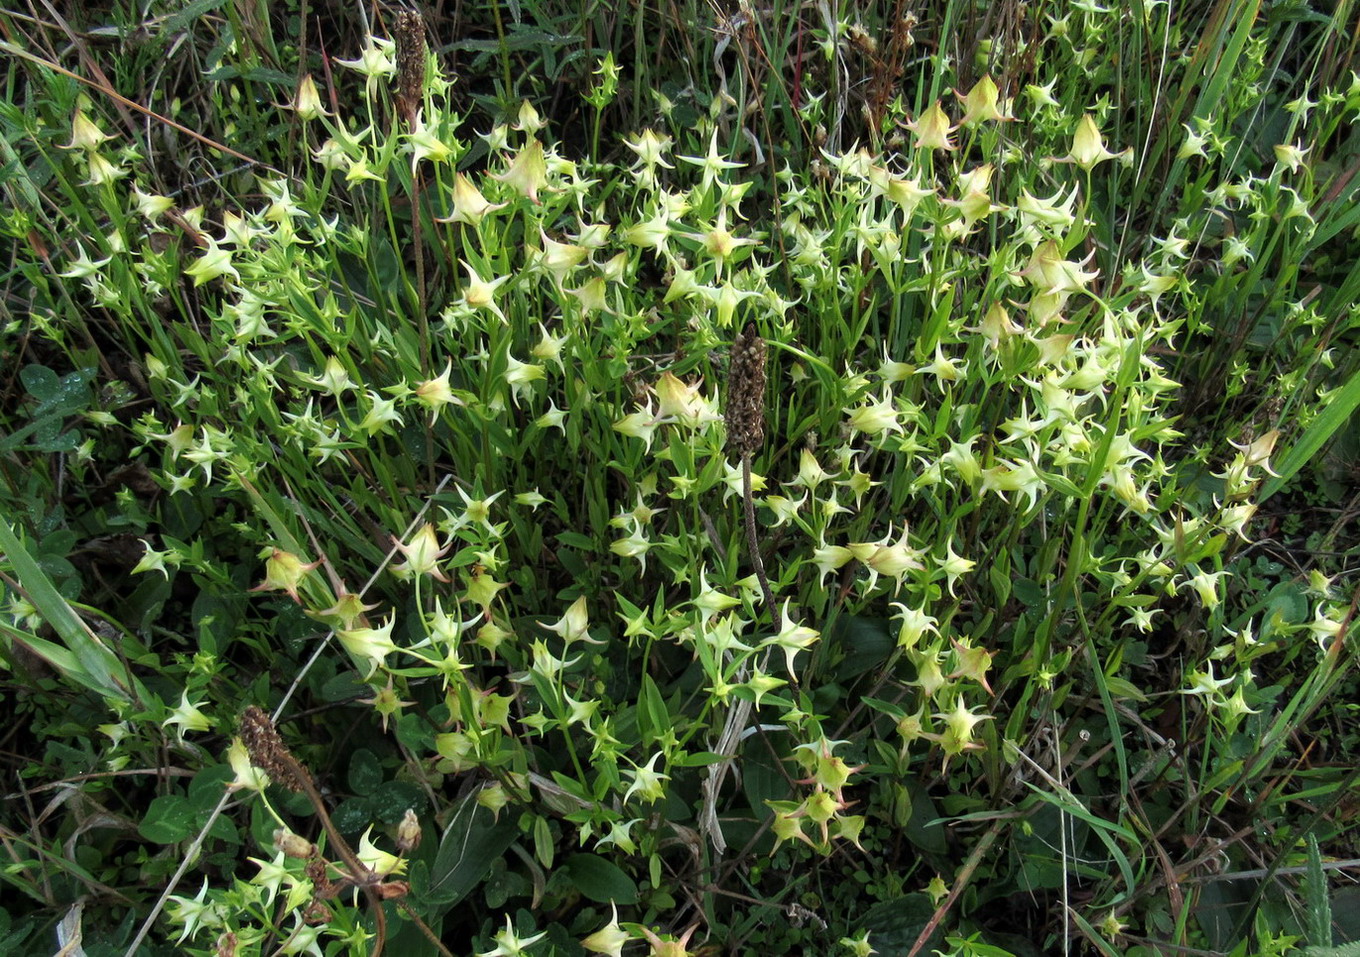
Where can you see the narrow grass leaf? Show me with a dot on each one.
(1333, 418)
(97, 667)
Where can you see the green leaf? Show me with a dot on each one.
(885, 707)
(976, 948)
(923, 827)
(1288, 602)
(999, 574)
(352, 815)
(576, 540)
(600, 880)
(94, 665)
(169, 820)
(762, 775)
(1319, 927)
(1105, 830)
(365, 773)
(414, 732)
(1344, 950)
(183, 18)
(263, 74)
(472, 841)
(57, 399)
(207, 787)
(1094, 937)
(392, 800)
(1345, 906)
(1333, 417)
(652, 716)
(57, 396)
(544, 849)
(343, 687)
(894, 925)
(699, 759)
(1030, 594)
(1123, 688)
(867, 645)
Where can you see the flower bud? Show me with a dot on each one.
(932, 129)
(422, 555)
(284, 571)
(307, 101)
(528, 171)
(1088, 148)
(983, 103)
(85, 133)
(293, 845)
(408, 832)
(469, 205)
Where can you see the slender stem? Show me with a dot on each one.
(961, 882)
(752, 546)
(362, 876)
(424, 928)
(418, 241)
(422, 309)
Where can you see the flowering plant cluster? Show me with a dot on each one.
(454, 396)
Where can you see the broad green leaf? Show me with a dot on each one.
(924, 828)
(352, 814)
(365, 773)
(393, 799)
(470, 843)
(762, 776)
(206, 788)
(867, 644)
(169, 820)
(600, 880)
(1123, 688)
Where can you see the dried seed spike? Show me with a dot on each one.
(323, 888)
(268, 752)
(746, 393)
(410, 33)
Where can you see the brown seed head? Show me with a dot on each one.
(267, 750)
(323, 888)
(410, 33)
(746, 393)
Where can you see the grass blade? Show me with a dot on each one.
(93, 664)
(1319, 431)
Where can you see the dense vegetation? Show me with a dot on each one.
(679, 479)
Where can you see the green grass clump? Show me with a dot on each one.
(377, 560)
